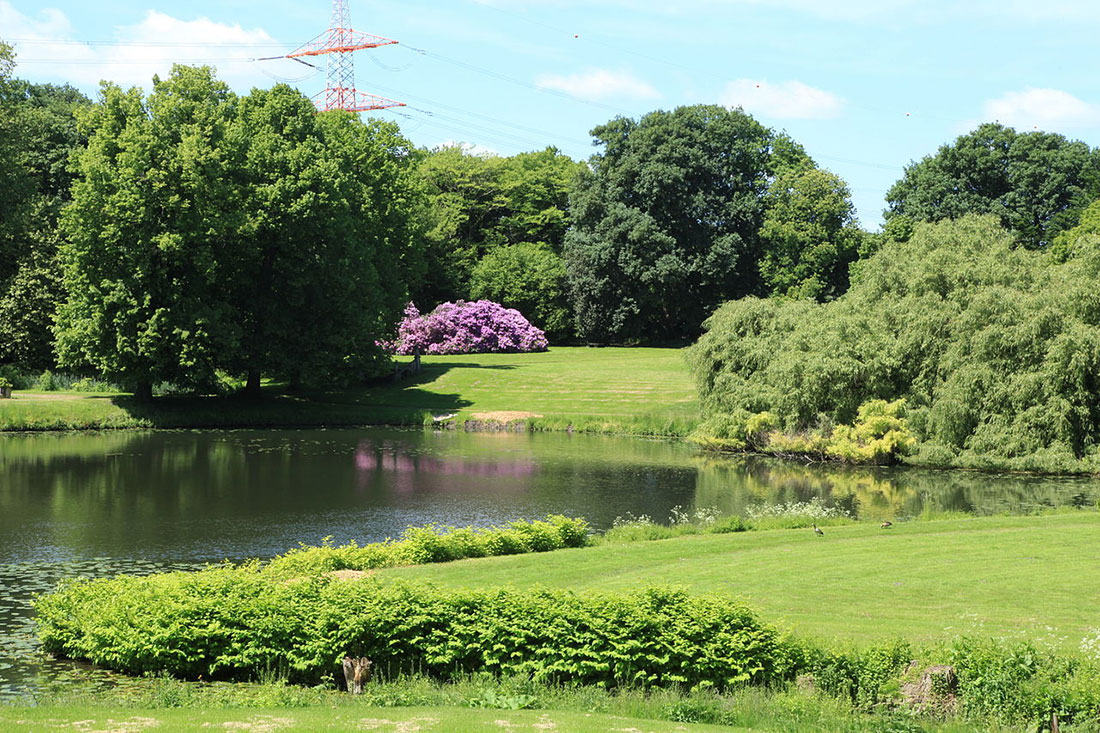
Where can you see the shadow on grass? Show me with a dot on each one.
(290, 410)
(382, 402)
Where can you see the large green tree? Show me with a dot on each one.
(247, 234)
(13, 178)
(478, 203)
(994, 347)
(324, 254)
(810, 235)
(666, 223)
(153, 214)
(1035, 183)
(529, 277)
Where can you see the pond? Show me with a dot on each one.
(90, 504)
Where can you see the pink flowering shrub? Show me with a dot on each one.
(464, 327)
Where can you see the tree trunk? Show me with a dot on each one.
(252, 386)
(144, 391)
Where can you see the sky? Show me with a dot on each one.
(866, 86)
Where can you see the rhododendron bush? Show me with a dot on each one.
(465, 328)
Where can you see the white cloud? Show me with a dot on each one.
(599, 84)
(47, 49)
(1042, 108)
(788, 100)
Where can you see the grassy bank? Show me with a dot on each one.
(611, 390)
(1018, 577)
(325, 718)
(476, 704)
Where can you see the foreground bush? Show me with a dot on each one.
(235, 623)
(993, 348)
(477, 327)
(419, 545)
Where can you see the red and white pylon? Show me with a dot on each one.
(339, 42)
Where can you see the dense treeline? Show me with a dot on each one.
(193, 235)
(680, 211)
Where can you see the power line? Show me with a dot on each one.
(152, 44)
(520, 82)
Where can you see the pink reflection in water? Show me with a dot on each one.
(368, 457)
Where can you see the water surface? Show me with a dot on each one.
(93, 504)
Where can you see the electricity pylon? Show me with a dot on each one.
(339, 42)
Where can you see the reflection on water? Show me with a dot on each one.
(883, 493)
(102, 503)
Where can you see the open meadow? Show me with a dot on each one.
(1024, 578)
(612, 390)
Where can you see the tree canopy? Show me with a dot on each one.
(668, 222)
(1035, 183)
(37, 135)
(213, 232)
(478, 203)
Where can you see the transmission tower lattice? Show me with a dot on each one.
(339, 42)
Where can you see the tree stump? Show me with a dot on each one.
(935, 689)
(356, 673)
(5, 393)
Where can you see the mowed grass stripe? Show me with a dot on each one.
(1026, 577)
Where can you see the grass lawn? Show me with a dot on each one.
(618, 390)
(1022, 577)
(444, 720)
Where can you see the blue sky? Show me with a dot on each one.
(866, 85)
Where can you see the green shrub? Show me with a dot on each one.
(860, 676)
(506, 542)
(47, 382)
(879, 435)
(433, 543)
(539, 536)
(236, 623)
(729, 524)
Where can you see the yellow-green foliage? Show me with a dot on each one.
(433, 543)
(878, 436)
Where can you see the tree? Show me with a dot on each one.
(810, 236)
(154, 212)
(1085, 234)
(666, 223)
(994, 348)
(529, 277)
(252, 235)
(47, 136)
(477, 203)
(13, 178)
(1036, 183)
(324, 255)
